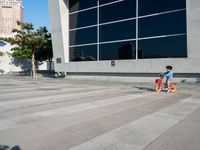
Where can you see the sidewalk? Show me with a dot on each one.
(66, 114)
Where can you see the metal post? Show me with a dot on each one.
(136, 49)
(98, 30)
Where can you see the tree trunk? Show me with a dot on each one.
(33, 65)
(50, 64)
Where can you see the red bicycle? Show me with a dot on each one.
(160, 85)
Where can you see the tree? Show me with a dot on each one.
(45, 52)
(31, 44)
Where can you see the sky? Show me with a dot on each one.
(36, 12)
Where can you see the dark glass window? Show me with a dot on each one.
(110, 34)
(172, 23)
(85, 18)
(118, 31)
(83, 36)
(106, 1)
(168, 47)
(119, 50)
(118, 11)
(147, 7)
(83, 53)
(75, 5)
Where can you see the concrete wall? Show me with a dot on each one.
(8, 64)
(59, 9)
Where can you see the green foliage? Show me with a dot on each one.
(21, 53)
(29, 41)
(45, 52)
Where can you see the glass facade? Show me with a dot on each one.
(119, 50)
(166, 24)
(83, 36)
(127, 29)
(117, 11)
(113, 32)
(83, 53)
(166, 47)
(78, 20)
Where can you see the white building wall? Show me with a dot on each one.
(8, 64)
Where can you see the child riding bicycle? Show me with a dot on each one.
(167, 77)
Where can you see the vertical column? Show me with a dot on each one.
(59, 16)
(98, 30)
(193, 28)
(64, 18)
(136, 51)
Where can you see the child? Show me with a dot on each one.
(168, 76)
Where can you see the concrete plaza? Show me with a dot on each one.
(63, 114)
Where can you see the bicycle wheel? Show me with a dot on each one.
(173, 87)
(158, 88)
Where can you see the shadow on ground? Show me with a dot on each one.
(198, 80)
(5, 147)
(144, 88)
(25, 65)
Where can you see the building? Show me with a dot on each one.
(125, 36)
(11, 11)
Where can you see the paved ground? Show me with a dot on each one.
(60, 114)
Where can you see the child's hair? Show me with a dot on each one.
(169, 67)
